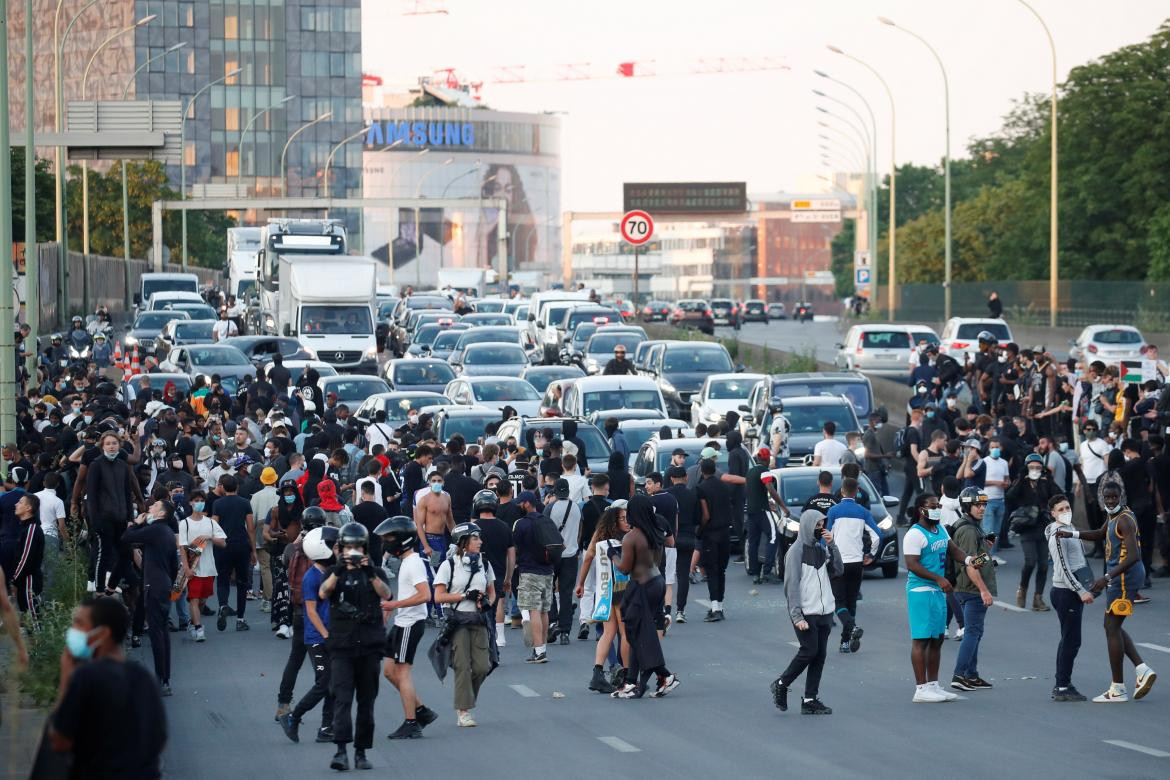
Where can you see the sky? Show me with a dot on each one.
(758, 127)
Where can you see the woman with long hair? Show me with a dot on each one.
(604, 546)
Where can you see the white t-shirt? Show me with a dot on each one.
(189, 529)
(357, 488)
(830, 452)
(378, 433)
(1093, 455)
(995, 470)
(578, 488)
(462, 580)
(52, 510)
(411, 571)
(222, 329)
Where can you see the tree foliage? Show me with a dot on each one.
(44, 183)
(841, 265)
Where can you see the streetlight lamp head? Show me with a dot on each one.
(822, 109)
(833, 49)
(818, 93)
(821, 73)
(887, 21)
(324, 116)
(287, 98)
(448, 161)
(177, 46)
(145, 20)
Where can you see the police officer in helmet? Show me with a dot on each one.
(355, 589)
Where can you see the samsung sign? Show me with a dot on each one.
(384, 133)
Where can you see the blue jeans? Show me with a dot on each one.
(993, 519)
(967, 664)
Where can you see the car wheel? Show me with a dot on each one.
(890, 570)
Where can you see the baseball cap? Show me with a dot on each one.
(764, 452)
(268, 476)
(976, 443)
(679, 451)
(708, 453)
(527, 497)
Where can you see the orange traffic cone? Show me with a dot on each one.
(135, 364)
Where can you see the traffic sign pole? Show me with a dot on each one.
(635, 301)
(637, 227)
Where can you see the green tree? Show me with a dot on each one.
(842, 258)
(46, 209)
(1158, 245)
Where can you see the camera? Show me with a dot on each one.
(354, 557)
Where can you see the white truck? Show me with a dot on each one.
(326, 302)
(243, 243)
(151, 283)
(469, 281)
(288, 237)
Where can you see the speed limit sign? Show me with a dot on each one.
(637, 227)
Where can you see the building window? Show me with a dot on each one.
(308, 19)
(233, 162)
(231, 27)
(189, 153)
(187, 14)
(232, 118)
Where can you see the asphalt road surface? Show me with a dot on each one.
(721, 721)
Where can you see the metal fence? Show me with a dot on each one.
(1081, 302)
(106, 282)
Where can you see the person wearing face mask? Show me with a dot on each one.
(109, 716)
(1031, 492)
(151, 533)
(263, 502)
(1071, 579)
(198, 534)
(112, 493)
(878, 440)
(1124, 574)
(974, 589)
(925, 549)
(176, 471)
(991, 473)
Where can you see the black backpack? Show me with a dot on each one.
(548, 537)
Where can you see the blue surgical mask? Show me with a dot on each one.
(289, 499)
(995, 452)
(78, 643)
(88, 418)
(198, 505)
(436, 487)
(930, 415)
(110, 455)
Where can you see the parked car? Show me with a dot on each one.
(178, 332)
(495, 392)
(755, 310)
(196, 311)
(599, 417)
(776, 311)
(595, 393)
(599, 349)
(806, 417)
(680, 367)
(882, 349)
(597, 449)
(720, 394)
(352, 389)
(655, 454)
(639, 430)
(512, 334)
(161, 300)
(854, 386)
(397, 404)
(960, 335)
(554, 393)
(490, 306)
(146, 327)
(419, 374)
(491, 358)
(694, 313)
(488, 318)
(1108, 343)
(655, 311)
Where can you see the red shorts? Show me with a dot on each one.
(200, 587)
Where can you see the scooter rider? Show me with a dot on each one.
(79, 337)
(355, 589)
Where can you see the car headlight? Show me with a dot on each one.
(886, 524)
(371, 352)
(666, 386)
(712, 417)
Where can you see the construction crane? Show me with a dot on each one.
(586, 71)
(426, 7)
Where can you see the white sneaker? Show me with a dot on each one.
(947, 695)
(959, 633)
(1110, 696)
(194, 632)
(266, 606)
(90, 587)
(999, 561)
(928, 695)
(1145, 681)
(464, 718)
(199, 635)
(501, 639)
(284, 632)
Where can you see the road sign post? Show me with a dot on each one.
(637, 228)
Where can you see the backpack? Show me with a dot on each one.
(547, 537)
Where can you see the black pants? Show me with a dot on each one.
(237, 560)
(759, 533)
(716, 553)
(1035, 557)
(845, 591)
(911, 486)
(296, 657)
(682, 569)
(1068, 608)
(350, 675)
(565, 575)
(157, 608)
(107, 557)
(319, 657)
(811, 655)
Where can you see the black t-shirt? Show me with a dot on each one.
(412, 482)
(910, 436)
(510, 513)
(279, 376)
(113, 713)
(370, 514)
(232, 512)
(666, 505)
(718, 500)
(1160, 474)
(497, 539)
(159, 562)
(688, 514)
(755, 495)
(462, 490)
(822, 502)
(590, 513)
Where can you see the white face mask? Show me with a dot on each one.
(1064, 518)
(1113, 510)
(934, 514)
(1003, 358)
(1033, 473)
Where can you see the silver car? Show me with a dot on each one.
(491, 358)
(876, 349)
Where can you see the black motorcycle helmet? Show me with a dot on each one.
(986, 337)
(399, 534)
(969, 498)
(485, 501)
(313, 517)
(354, 535)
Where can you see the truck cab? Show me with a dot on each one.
(243, 243)
(283, 237)
(327, 303)
(153, 283)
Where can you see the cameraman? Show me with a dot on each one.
(355, 590)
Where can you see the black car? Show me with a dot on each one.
(755, 311)
(680, 368)
(694, 313)
(540, 376)
(724, 311)
(851, 384)
(655, 311)
(806, 419)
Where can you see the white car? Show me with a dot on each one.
(720, 394)
(596, 393)
(1108, 343)
(495, 392)
(960, 336)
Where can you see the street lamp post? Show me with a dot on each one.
(418, 216)
(468, 172)
(893, 267)
(862, 131)
(946, 164)
(341, 143)
(125, 191)
(59, 104)
(288, 143)
(32, 266)
(183, 152)
(244, 133)
(1053, 237)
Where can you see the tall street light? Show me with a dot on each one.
(1053, 237)
(946, 163)
(418, 215)
(862, 132)
(244, 133)
(59, 114)
(183, 150)
(85, 96)
(891, 279)
(341, 143)
(288, 143)
(32, 265)
(125, 192)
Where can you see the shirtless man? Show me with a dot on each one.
(432, 515)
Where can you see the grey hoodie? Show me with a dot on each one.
(1067, 557)
(807, 569)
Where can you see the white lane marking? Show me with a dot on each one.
(1010, 607)
(620, 745)
(1150, 646)
(1121, 743)
(795, 644)
(524, 691)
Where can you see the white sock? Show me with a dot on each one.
(932, 683)
(525, 615)
(540, 649)
(499, 629)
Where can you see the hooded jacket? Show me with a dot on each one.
(807, 569)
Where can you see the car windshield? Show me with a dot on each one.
(1117, 336)
(720, 303)
(664, 455)
(335, 320)
(195, 311)
(556, 311)
(488, 319)
(157, 320)
(692, 305)
(356, 389)
(194, 331)
(885, 339)
(796, 489)
(494, 355)
(924, 337)
(492, 306)
(152, 286)
(729, 389)
(696, 359)
(480, 335)
(504, 390)
(425, 335)
(636, 437)
(469, 426)
(575, 318)
(429, 302)
(971, 330)
(217, 356)
(397, 408)
(855, 391)
(606, 342)
(542, 379)
(385, 309)
(596, 447)
(446, 340)
(812, 418)
(431, 373)
(620, 399)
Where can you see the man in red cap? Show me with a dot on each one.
(759, 488)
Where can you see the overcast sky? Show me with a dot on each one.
(760, 127)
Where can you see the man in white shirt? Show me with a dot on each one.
(223, 327)
(1093, 452)
(567, 516)
(828, 451)
(379, 432)
(413, 591)
(52, 524)
(201, 532)
(578, 483)
(373, 473)
(995, 479)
